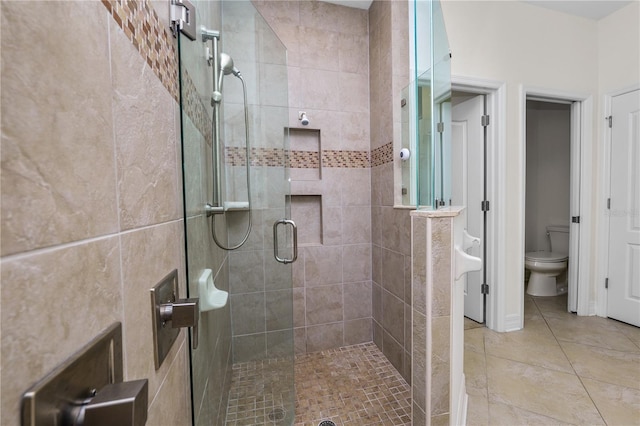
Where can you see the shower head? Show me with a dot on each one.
(226, 65)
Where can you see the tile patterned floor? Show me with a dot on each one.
(352, 386)
(560, 369)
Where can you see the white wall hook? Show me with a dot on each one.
(465, 263)
(469, 241)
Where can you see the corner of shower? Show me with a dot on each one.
(236, 210)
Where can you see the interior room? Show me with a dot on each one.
(234, 212)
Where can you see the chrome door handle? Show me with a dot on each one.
(275, 240)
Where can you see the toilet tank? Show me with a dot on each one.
(559, 237)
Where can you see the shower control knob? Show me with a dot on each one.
(123, 403)
(182, 313)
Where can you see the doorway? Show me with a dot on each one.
(579, 192)
(548, 188)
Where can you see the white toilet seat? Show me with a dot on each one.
(545, 256)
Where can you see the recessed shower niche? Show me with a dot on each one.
(306, 212)
(305, 155)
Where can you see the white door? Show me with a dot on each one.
(467, 151)
(623, 297)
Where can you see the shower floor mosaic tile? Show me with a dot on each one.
(351, 386)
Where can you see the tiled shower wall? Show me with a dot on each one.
(328, 71)
(390, 227)
(91, 191)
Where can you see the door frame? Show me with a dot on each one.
(496, 97)
(583, 303)
(604, 164)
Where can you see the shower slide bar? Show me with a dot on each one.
(214, 60)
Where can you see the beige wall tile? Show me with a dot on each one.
(356, 227)
(357, 300)
(393, 272)
(49, 154)
(172, 404)
(321, 94)
(247, 271)
(250, 347)
(419, 360)
(324, 304)
(353, 53)
(248, 313)
(279, 309)
(353, 92)
(326, 336)
(299, 311)
(145, 137)
(441, 263)
(440, 364)
(318, 48)
(357, 331)
(356, 263)
(392, 350)
(53, 303)
(393, 316)
(141, 271)
(323, 266)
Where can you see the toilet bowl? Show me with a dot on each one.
(548, 268)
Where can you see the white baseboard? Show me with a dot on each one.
(461, 409)
(513, 322)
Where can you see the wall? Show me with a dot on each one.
(548, 171)
(91, 192)
(391, 227)
(521, 45)
(328, 71)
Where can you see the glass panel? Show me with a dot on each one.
(429, 111)
(243, 367)
(441, 104)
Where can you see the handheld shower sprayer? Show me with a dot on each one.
(222, 64)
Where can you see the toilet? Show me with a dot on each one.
(549, 269)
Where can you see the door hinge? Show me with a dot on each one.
(575, 219)
(440, 127)
(484, 206)
(606, 283)
(484, 288)
(609, 203)
(183, 18)
(484, 120)
(610, 120)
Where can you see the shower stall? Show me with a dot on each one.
(239, 241)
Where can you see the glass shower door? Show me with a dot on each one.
(242, 370)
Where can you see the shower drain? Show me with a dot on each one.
(327, 423)
(277, 414)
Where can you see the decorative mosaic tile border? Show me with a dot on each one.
(346, 159)
(194, 108)
(271, 157)
(304, 159)
(382, 155)
(141, 25)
